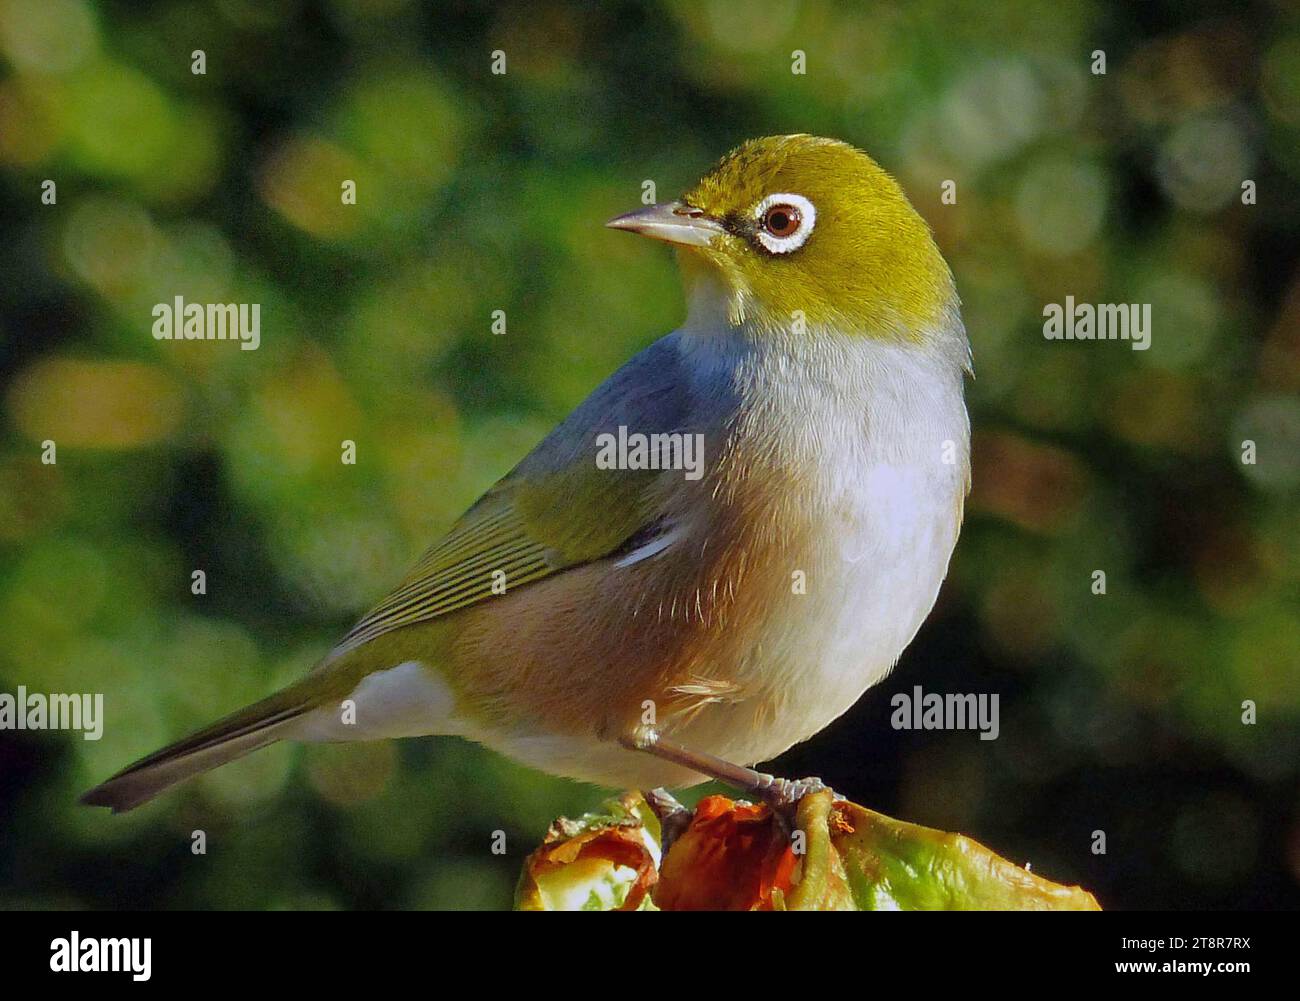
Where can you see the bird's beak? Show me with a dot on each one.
(671, 222)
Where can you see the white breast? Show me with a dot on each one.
(882, 440)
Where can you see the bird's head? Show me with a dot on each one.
(791, 228)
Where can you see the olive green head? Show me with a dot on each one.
(803, 228)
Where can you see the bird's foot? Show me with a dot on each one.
(673, 817)
(782, 796)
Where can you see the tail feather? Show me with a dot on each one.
(234, 736)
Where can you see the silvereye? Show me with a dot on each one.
(648, 626)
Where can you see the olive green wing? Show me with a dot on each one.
(555, 510)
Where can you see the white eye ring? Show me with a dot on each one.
(807, 220)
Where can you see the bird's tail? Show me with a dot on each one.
(234, 736)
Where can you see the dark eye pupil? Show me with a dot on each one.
(782, 221)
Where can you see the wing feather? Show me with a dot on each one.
(554, 511)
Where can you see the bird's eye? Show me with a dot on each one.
(784, 222)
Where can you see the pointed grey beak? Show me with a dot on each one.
(671, 222)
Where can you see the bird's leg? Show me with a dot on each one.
(782, 795)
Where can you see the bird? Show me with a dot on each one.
(716, 553)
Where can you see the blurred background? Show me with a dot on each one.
(477, 192)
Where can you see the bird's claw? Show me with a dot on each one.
(785, 793)
(782, 797)
(673, 817)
